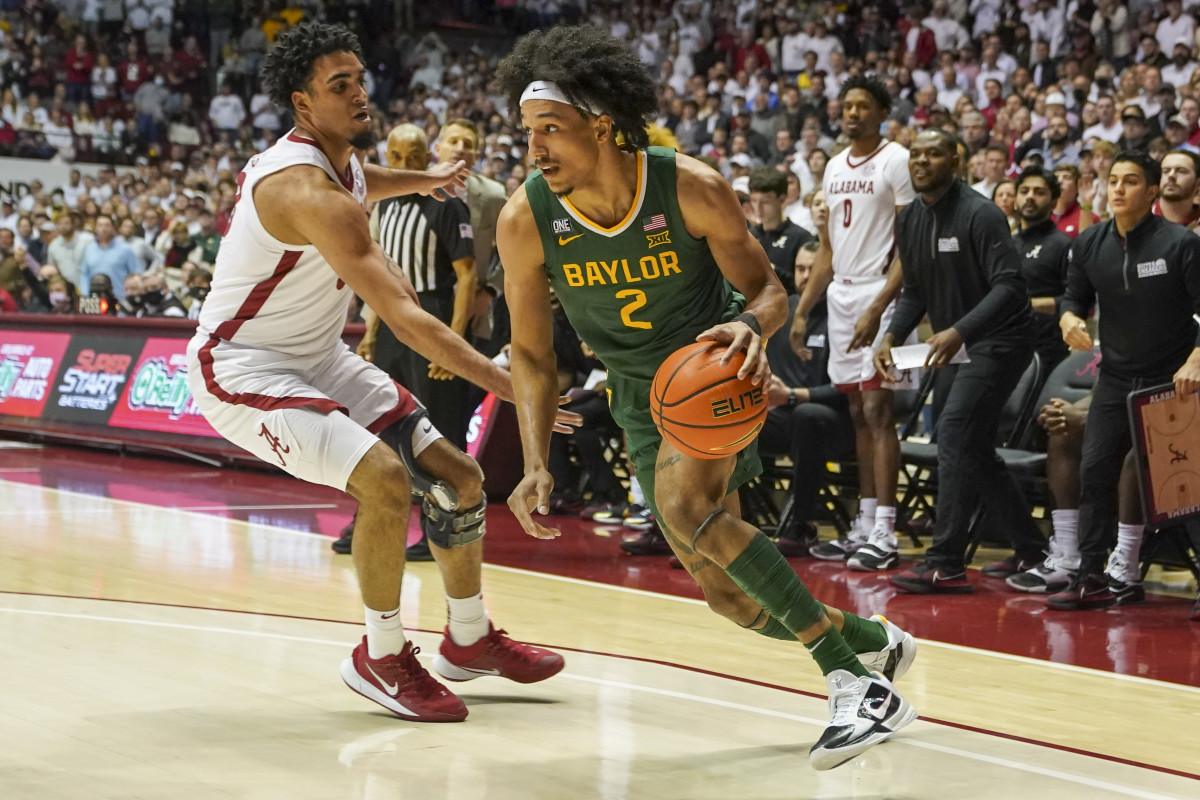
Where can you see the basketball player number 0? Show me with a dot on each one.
(847, 208)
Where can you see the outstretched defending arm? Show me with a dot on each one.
(534, 366)
(301, 205)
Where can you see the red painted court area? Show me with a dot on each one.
(1153, 640)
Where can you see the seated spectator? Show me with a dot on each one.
(199, 283)
(207, 240)
(157, 300)
(810, 419)
(150, 258)
(180, 246)
(64, 299)
(780, 237)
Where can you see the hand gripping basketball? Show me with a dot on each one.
(701, 406)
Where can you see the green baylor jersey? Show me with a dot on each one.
(636, 293)
(640, 290)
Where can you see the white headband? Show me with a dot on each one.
(548, 90)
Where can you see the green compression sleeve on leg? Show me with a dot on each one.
(764, 574)
(774, 629)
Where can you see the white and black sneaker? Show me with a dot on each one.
(843, 547)
(1052, 575)
(864, 711)
(1124, 579)
(894, 660)
(880, 553)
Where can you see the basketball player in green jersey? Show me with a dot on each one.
(648, 251)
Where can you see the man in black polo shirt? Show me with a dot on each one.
(960, 266)
(777, 234)
(1145, 272)
(1043, 250)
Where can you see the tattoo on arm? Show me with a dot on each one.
(667, 462)
(392, 266)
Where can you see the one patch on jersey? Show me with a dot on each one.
(464, 231)
(561, 225)
(655, 239)
(948, 245)
(1037, 249)
(1149, 269)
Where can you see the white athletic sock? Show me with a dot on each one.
(635, 492)
(866, 512)
(468, 619)
(1129, 542)
(385, 633)
(885, 518)
(1065, 523)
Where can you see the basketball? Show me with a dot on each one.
(703, 408)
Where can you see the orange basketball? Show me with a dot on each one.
(703, 408)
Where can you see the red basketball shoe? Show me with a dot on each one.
(495, 654)
(401, 685)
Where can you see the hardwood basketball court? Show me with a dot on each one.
(175, 631)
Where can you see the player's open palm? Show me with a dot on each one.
(533, 494)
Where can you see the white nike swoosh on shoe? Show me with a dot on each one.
(390, 688)
(880, 711)
(479, 671)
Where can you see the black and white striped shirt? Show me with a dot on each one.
(425, 237)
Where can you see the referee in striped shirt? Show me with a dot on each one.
(432, 242)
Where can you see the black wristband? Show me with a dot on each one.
(751, 322)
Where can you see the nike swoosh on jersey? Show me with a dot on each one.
(562, 241)
(390, 688)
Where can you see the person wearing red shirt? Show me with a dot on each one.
(1069, 216)
(133, 71)
(747, 45)
(79, 63)
(191, 65)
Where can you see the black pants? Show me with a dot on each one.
(590, 440)
(447, 401)
(1106, 441)
(969, 471)
(811, 434)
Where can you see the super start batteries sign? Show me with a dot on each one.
(121, 381)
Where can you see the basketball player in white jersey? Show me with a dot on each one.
(865, 185)
(270, 372)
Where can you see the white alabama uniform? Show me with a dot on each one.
(267, 366)
(862, 195)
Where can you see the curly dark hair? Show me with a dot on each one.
(593, 69)
(871, 85)
(288, 66)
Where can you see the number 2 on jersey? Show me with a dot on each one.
(639, 300)
(847, 209)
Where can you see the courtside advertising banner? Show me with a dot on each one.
(93, 376)
(157, 397)
(29, 362)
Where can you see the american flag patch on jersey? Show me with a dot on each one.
(654, 223)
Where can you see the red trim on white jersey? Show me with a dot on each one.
(404, 406)
(227, 330)
(876, 152)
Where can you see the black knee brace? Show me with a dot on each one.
(399, 438)
(451, 528)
